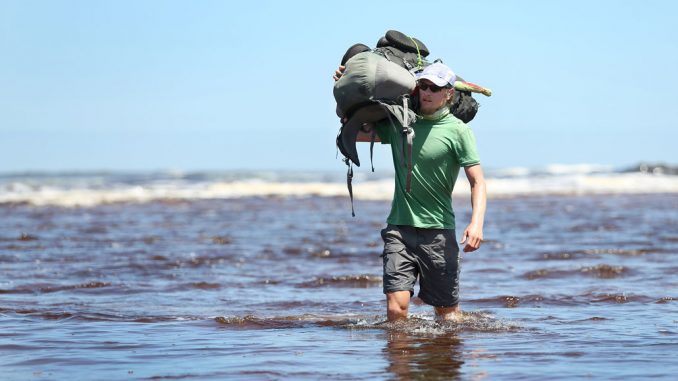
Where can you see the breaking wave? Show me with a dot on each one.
(90, 189)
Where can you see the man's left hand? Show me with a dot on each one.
(472, 237)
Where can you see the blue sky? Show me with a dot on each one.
(212, 85)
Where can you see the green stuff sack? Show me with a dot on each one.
(368, 86)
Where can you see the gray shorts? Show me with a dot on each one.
(430, 254)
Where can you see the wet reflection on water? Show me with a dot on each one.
(415, 357)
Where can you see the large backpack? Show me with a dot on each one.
(376, 85)
(371, 89)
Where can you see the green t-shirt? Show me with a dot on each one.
(440, 148)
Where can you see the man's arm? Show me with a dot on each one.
(473, 234)
(365, 133)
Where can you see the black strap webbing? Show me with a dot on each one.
(373, 138)
(407, 135)
(349, 183)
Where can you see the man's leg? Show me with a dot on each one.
(439, 259)
(448, 313)
(400, 270)
(397, 305)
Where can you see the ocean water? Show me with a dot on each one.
(266, 276)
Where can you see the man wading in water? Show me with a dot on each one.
(419, 240)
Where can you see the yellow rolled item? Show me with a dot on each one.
(472, 87)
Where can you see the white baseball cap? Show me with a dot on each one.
(439, 74)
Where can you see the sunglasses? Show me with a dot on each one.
(425, 86)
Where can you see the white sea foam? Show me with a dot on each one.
(95, 191)
(576, 169)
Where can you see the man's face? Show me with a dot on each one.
(432, 97)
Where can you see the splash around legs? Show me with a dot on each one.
(398, 303)
(448, 313)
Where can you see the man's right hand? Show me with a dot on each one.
(339, 72)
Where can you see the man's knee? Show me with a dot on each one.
(397, 304)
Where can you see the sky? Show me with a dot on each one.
(221, 85)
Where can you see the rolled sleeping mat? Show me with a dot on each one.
(405, 43)
(462, 85)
